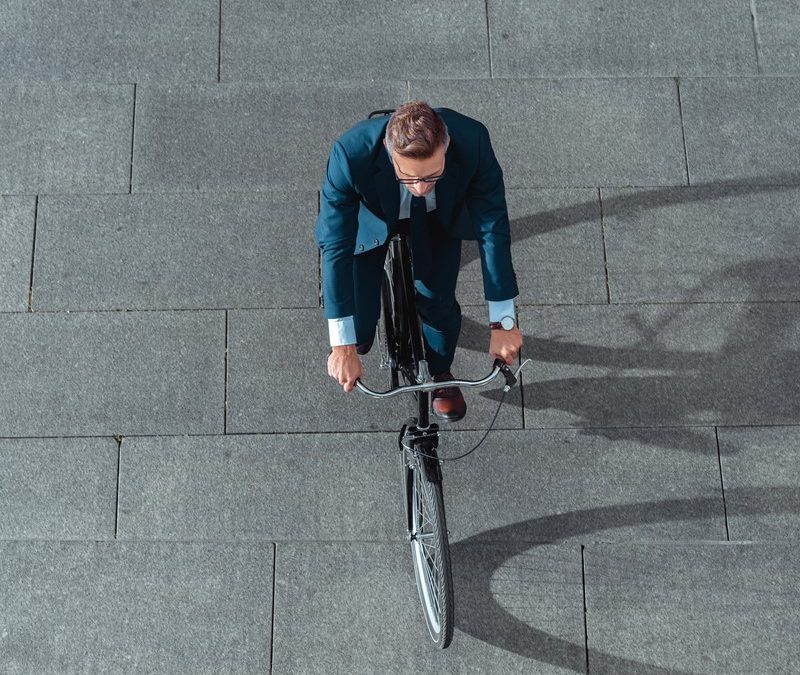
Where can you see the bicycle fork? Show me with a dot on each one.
(418, 453)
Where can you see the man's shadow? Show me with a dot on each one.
(685, 387)
(612, 404)
(478, 559)
(628, 204)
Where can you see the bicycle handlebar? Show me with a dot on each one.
(500, 366)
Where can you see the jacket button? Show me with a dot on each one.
(361, 247)
(377, 242)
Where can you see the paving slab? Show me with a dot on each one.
(662, 365)
(85, 374)
(130, 41)
(65, 137)
(278, 386)
(573, 132)
(742, 129)
(516, 611)
(278, 378)
(534, 486)
(779, 36)
(135, 607)
(628, 38)
(246, 136)
(17, 216)
(715, 243)
(692, 608)
(176, 251)
(557, 249)
(585, 485)
(58, 488)
(265, 487)
(762, 481)
(330, 40)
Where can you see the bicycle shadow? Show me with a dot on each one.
(477, 560)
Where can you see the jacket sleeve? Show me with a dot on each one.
(336, 229)
(486, 203)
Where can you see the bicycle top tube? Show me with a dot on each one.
(500, 366)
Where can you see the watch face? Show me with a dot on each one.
(507, 322)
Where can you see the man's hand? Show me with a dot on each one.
(344, 366)
(505, 344)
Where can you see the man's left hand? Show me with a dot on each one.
(505, 344)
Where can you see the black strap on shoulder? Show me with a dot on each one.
(374, 113)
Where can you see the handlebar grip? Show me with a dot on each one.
(511, 380)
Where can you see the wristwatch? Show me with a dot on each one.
(506, 323)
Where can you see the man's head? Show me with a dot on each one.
(417, 139)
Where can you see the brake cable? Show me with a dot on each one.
(506, 389)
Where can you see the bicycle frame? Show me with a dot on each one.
(400, 263)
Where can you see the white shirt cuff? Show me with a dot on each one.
(500, 308)
(342, 331)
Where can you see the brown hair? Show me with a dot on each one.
(415, 131)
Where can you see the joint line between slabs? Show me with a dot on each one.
(320, 302)
(272, 628)
(756, 37)
(488, 40)
(119, 467)
(133, 137)
(219, 45)
(722, 484)
(585, 621)
(393, 430)
(225, 403)
(683, 132)
(521, 358)
(649, 303)
(33, 253)
(603, 238)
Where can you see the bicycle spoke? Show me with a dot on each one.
(430, 550)
(433, 587)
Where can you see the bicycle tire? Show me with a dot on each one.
(430, 552)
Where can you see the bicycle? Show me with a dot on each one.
(402, 353)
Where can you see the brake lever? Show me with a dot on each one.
(510, 375)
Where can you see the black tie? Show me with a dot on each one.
(420, 236)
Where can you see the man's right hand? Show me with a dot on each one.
(344, 366)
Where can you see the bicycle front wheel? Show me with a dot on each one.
(431, 555)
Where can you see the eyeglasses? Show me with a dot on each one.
(411, 181)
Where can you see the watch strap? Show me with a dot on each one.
(509, 322)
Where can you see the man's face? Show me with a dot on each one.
(409, 168)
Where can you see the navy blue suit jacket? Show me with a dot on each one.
(360, 203)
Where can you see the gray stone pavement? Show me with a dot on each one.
(182, 488)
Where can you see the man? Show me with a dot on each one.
(431, 173)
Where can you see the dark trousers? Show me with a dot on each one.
(435, 295)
